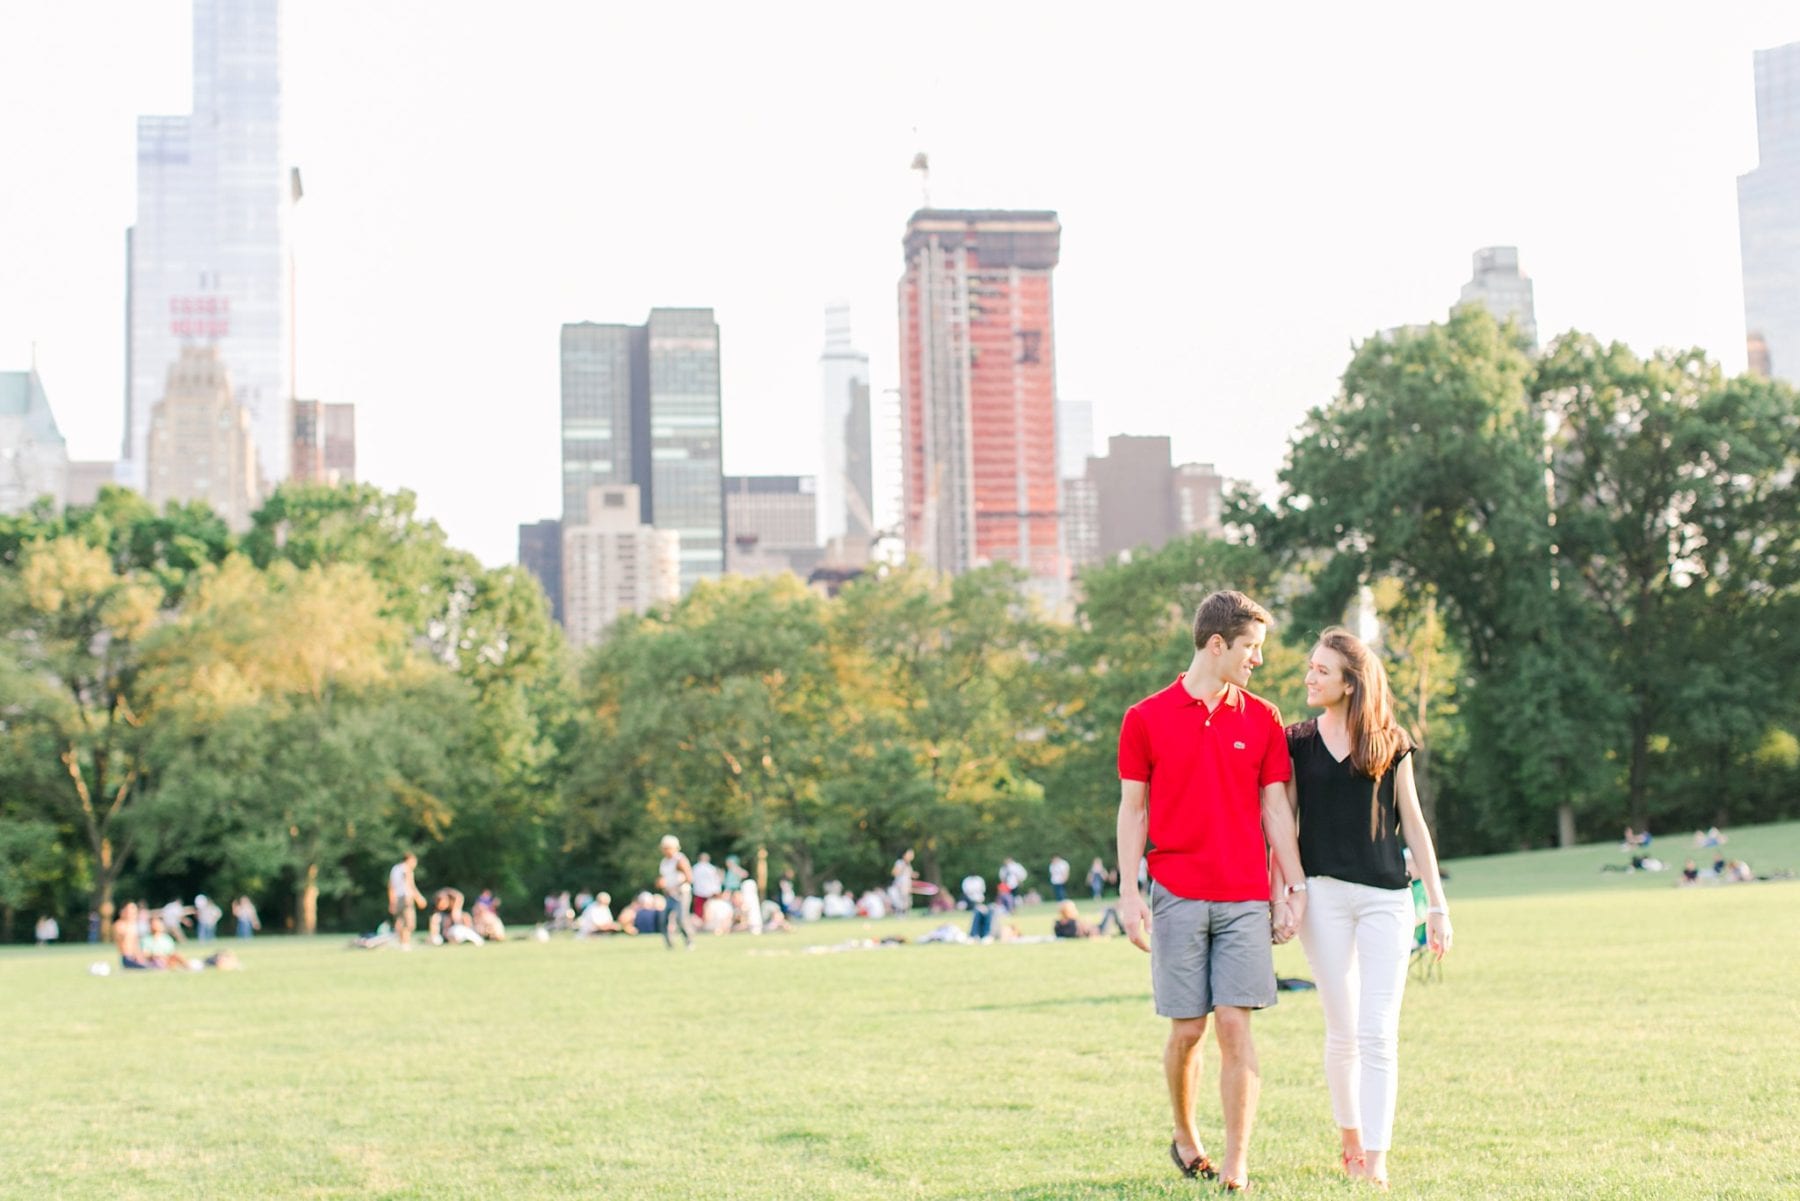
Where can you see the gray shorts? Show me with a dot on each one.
(1209, 953)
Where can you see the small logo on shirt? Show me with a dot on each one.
(1238, 745)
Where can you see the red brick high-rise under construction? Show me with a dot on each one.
(978, 390)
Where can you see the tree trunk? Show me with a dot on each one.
(1640, 767)
(6, 923)
(1565, 825)
(309, 901)
(103, 889)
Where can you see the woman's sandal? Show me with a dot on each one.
(1235, 1186)
(1200, 1166)
(1360, 1168)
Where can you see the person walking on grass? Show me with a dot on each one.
(1203, 772)
(901, 888)
(404, 899)
(1059, 878)
(675, 876)
(1354, 797)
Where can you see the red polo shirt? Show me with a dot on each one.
(1206, 772)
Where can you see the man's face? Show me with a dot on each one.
(1244, 655)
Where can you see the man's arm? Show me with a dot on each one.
(1281, 829)
(686, 869)
(1134, 823)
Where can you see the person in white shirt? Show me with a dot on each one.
(675, 876)
(1059, 877)
(900, 892)
(1012, 874)
(709, 881)
(404, 899)
(981, 917)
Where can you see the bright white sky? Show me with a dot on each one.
(1243, 193)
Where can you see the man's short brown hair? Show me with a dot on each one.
(1227, 614)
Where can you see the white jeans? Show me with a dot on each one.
(1357, 939)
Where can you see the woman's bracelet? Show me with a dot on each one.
(1440, 910)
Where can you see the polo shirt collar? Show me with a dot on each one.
(1233, 699)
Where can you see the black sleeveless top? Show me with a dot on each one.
(1349, 824)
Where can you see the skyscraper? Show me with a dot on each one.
(600, 369)
(978, 385)
(772, 524)
(540, 553)
(1074, 437)
(201, 444)
(207, 260)
(640, 406)
(324, 450)
(1505, 291)
(1199, 500)
(681, 453)
(1135, 485)
(1769, 218)
(34, 458)
(613, 564)
(846, 494)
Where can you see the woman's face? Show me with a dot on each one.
(1325, 682)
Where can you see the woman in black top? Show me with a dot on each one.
(1354, 797)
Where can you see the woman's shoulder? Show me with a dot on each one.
(1300, 731)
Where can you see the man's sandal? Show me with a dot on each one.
(1200, 1166)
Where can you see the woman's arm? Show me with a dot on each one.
(1418, 837)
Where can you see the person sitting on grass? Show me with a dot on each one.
(597, 918)
(159, 948)
(649, 916)
(125, 938)
(1690, 874)
(1070, 925)
(485, 917)
(450, 922)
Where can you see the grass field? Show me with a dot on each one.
(1592, 1037)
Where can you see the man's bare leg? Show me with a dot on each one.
(1181, 1068)
(1240, 1085)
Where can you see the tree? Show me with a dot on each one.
(713, 719)
(74, 628)
(952, 681)
(1678, 523)
(1429, 467)
(299, 727)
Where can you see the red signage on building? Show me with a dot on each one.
(200, 316)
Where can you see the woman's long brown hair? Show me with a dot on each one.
(1376, 739)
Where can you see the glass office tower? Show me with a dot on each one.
(208, 260)
(640, 406)
(685, 461)
(1769, 219)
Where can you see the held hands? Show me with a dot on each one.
(1438, 934)
(1134, 915)
(1285, 916)
(1280, 923)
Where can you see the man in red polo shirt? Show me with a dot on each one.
(1202, 769)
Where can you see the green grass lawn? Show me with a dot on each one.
(1586, 1041)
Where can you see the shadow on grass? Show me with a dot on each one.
(1051, 1003)
(1105, 1190)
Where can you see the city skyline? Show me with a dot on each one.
(1305, 211)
